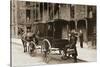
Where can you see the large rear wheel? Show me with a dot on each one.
(46, 50)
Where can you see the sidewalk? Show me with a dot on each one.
(85, 53)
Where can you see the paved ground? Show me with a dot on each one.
(19, 58)
(87, 53)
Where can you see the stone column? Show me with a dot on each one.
(43, 13)
(59, 12)
(75, 24)
(86, 31)
(38, 11)
(47, 12)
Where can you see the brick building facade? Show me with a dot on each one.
(25, 13)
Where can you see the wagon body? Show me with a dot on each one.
(52, 31)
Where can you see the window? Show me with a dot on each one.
(27, 3)
(91, 11)
(72, 11)
(27, 16)
(28, 13)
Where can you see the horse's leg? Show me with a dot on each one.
(24, 46)
(22, 42)
(27, 46)
(31, 48)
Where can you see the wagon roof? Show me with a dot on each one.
(62, 21)
(39, 23)
(55, 21)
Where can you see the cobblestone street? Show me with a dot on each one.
(19, 58)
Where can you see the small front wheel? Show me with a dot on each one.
(46, 50)
(32, 48)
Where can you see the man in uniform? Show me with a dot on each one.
(81, 39)
(73, 41)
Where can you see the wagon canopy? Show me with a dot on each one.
(59, 21)
(55, 31)
(55, 28)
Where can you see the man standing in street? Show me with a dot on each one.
(81, 39)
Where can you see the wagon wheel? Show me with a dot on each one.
(64, 53)
(46, 46)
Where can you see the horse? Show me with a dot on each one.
(28, 41)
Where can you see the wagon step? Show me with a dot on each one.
(54, 49)
(38, 47)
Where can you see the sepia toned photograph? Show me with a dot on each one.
(44, 33)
